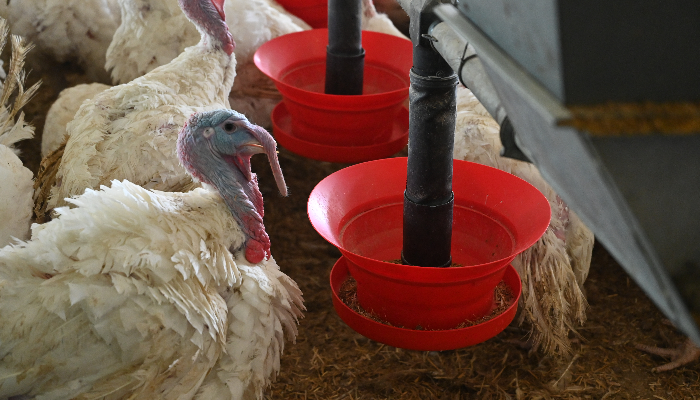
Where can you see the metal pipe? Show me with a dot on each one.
(428, 199)
(462, 57)
(471, 72)
(345, 60)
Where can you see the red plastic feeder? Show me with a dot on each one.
(339, 128)
(423, 340)
(313, 12)
(496, 216)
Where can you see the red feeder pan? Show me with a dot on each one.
(313, 12)
(496, 216)
(282, 127)
(422, 340)
(297, 64)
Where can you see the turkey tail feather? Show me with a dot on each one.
(45, 180)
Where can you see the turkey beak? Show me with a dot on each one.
(219, 6)
(266, 144)
(245, 150)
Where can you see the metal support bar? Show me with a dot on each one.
(548, 106)
(345, 61)
(463, 59)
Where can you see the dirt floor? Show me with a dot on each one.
(330, 361)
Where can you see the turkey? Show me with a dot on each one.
(554, 268)
(162, 25)
(378, 22)
(135, 293)
(16, 181)
(396, 14)
(63, 111)
(76, 31)
(129, 131)
(252, 22)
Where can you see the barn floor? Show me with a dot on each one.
(330, 361)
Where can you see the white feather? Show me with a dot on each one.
(261, 310)
(16, 201)
(554, 268)
(378, 22)
(63, 111)
(143, 323)
(16, 181)
(129, 131)
(162, 25)
(66, 30)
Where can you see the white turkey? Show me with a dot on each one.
(378, 22)
(136, 293)
(63, 111)
(395, 12)
(553, 269)
(66, 30)
(162, 25)
(16, 180)
(252, 22)
(129, 131)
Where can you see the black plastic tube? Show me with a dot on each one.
(428, 199)
(345, 61)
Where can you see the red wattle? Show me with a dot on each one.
(230, 45)
(254, 252)
(229, 48)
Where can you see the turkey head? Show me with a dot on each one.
(215, 148)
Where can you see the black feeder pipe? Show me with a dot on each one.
(428, 199)
(345, 57)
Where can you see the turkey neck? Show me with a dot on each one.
(199, 73)
(208, 16)
(242, 197)
(205, 71)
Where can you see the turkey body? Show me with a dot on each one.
(79, 31)
(162, 25)
(63, 111)
(16, 201)
(129, 131)
(378, 22)
(135, 293)
(16, 181)
(143, 294)
(554, 268)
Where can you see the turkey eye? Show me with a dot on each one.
(229, 127)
